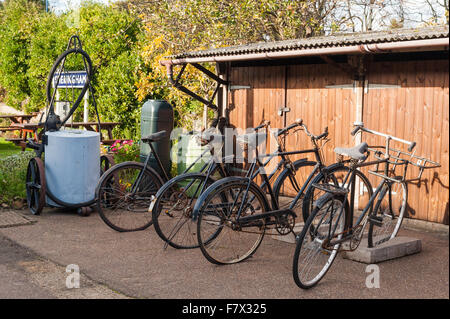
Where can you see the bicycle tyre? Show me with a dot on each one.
(279, 184)
(310, 232)
(113, 192)
(221, 225)
(311, 192)
(170, 192)
(378, 235)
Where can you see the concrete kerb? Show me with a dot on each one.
(421, 225)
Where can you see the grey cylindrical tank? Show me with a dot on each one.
(72, 165)
(157, 115)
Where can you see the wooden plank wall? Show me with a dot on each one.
(416, 111)
(318, 106)
(249, 107)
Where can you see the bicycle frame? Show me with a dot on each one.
(251, 175)
(350, 179)
(161, 167)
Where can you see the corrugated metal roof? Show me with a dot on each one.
(336, 40)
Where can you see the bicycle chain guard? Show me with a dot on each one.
(285, 223)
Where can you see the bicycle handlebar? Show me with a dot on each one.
(355, 130)
(298, 122)
(315, 137)
(360, 127)
(411, 146)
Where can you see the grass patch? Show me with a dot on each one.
(8, 148)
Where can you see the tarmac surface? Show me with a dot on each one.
(117, 265)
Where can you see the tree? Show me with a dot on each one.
(174, 26)
(31, 39)
(17, 26)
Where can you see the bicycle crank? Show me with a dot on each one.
(285, 223)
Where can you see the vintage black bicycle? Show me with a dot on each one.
(332, 221)
(234, 213)
(172, 206)
(125, 190)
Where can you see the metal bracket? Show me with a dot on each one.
(367, 86)
(239, 87)
(282, 110)
(176, 83)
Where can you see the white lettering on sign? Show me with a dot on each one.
(71, 79)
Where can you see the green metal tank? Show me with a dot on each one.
(188, 150)
(157, 115)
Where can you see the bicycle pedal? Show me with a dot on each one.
(375, 220)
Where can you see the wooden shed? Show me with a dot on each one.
(396, 82)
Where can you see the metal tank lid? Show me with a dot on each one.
(73, 133)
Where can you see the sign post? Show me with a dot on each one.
(71, 80)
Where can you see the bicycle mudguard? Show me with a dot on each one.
(327, 196)
(331, 167)
(295, 163)
(221, 182)
(117, 166)
(170, 182)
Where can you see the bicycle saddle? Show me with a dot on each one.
(154, 137)
(205, 139)
(356, 152)
(252, 139)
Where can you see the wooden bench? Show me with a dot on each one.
(31, 130)
(6, 129)
(18, 141)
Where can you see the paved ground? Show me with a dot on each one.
(24, 274)
(136, 265)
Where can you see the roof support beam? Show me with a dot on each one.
(346, 68)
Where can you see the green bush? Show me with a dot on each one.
(49, 41)
(30, 41)
(116, 94)
(124, 151)
(13, 170)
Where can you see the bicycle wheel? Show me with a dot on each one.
(172, 210)
(313, 257)
(290, 182)
(335, 175)
(223, 239)
(389, 211)
(35, 185)
(123, 199)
